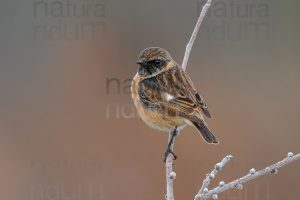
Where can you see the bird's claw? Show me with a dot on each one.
(169, 151)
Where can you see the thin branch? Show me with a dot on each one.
(194, 34)
(204, 193)
(214, 172)
(170, 175)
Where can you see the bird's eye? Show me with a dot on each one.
(158, 62)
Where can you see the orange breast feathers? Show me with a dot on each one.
(154, 118)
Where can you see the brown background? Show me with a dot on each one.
(67, 134)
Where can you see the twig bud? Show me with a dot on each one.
(172, 175)
(252, 171)
(218, 166)
(239, 186)
(290, 154)
(214, 196)
(205, 190)
(211, 176)
(274, 171)
(222, 183)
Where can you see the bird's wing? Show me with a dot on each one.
(186, 91)
(172, 92)
(195, 95)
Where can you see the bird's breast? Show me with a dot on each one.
(155, 118)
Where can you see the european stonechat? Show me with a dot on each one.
(166, 98)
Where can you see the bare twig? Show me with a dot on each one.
(194, 34)
(170, 175)
(204, 193)
(214, 172)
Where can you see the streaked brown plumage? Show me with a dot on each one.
(165, 96)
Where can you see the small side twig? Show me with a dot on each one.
(204, 193)
(214, 172)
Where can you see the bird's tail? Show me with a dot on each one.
(207, 135)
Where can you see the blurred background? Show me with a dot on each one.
(68, 127)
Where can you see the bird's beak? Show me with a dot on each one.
(140, 62)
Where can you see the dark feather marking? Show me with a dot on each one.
(203, 105)
(207, 135)
(143, 97)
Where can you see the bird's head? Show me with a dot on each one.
(152, 60)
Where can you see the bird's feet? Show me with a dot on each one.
(169, 151)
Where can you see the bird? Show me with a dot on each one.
(166, 98)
